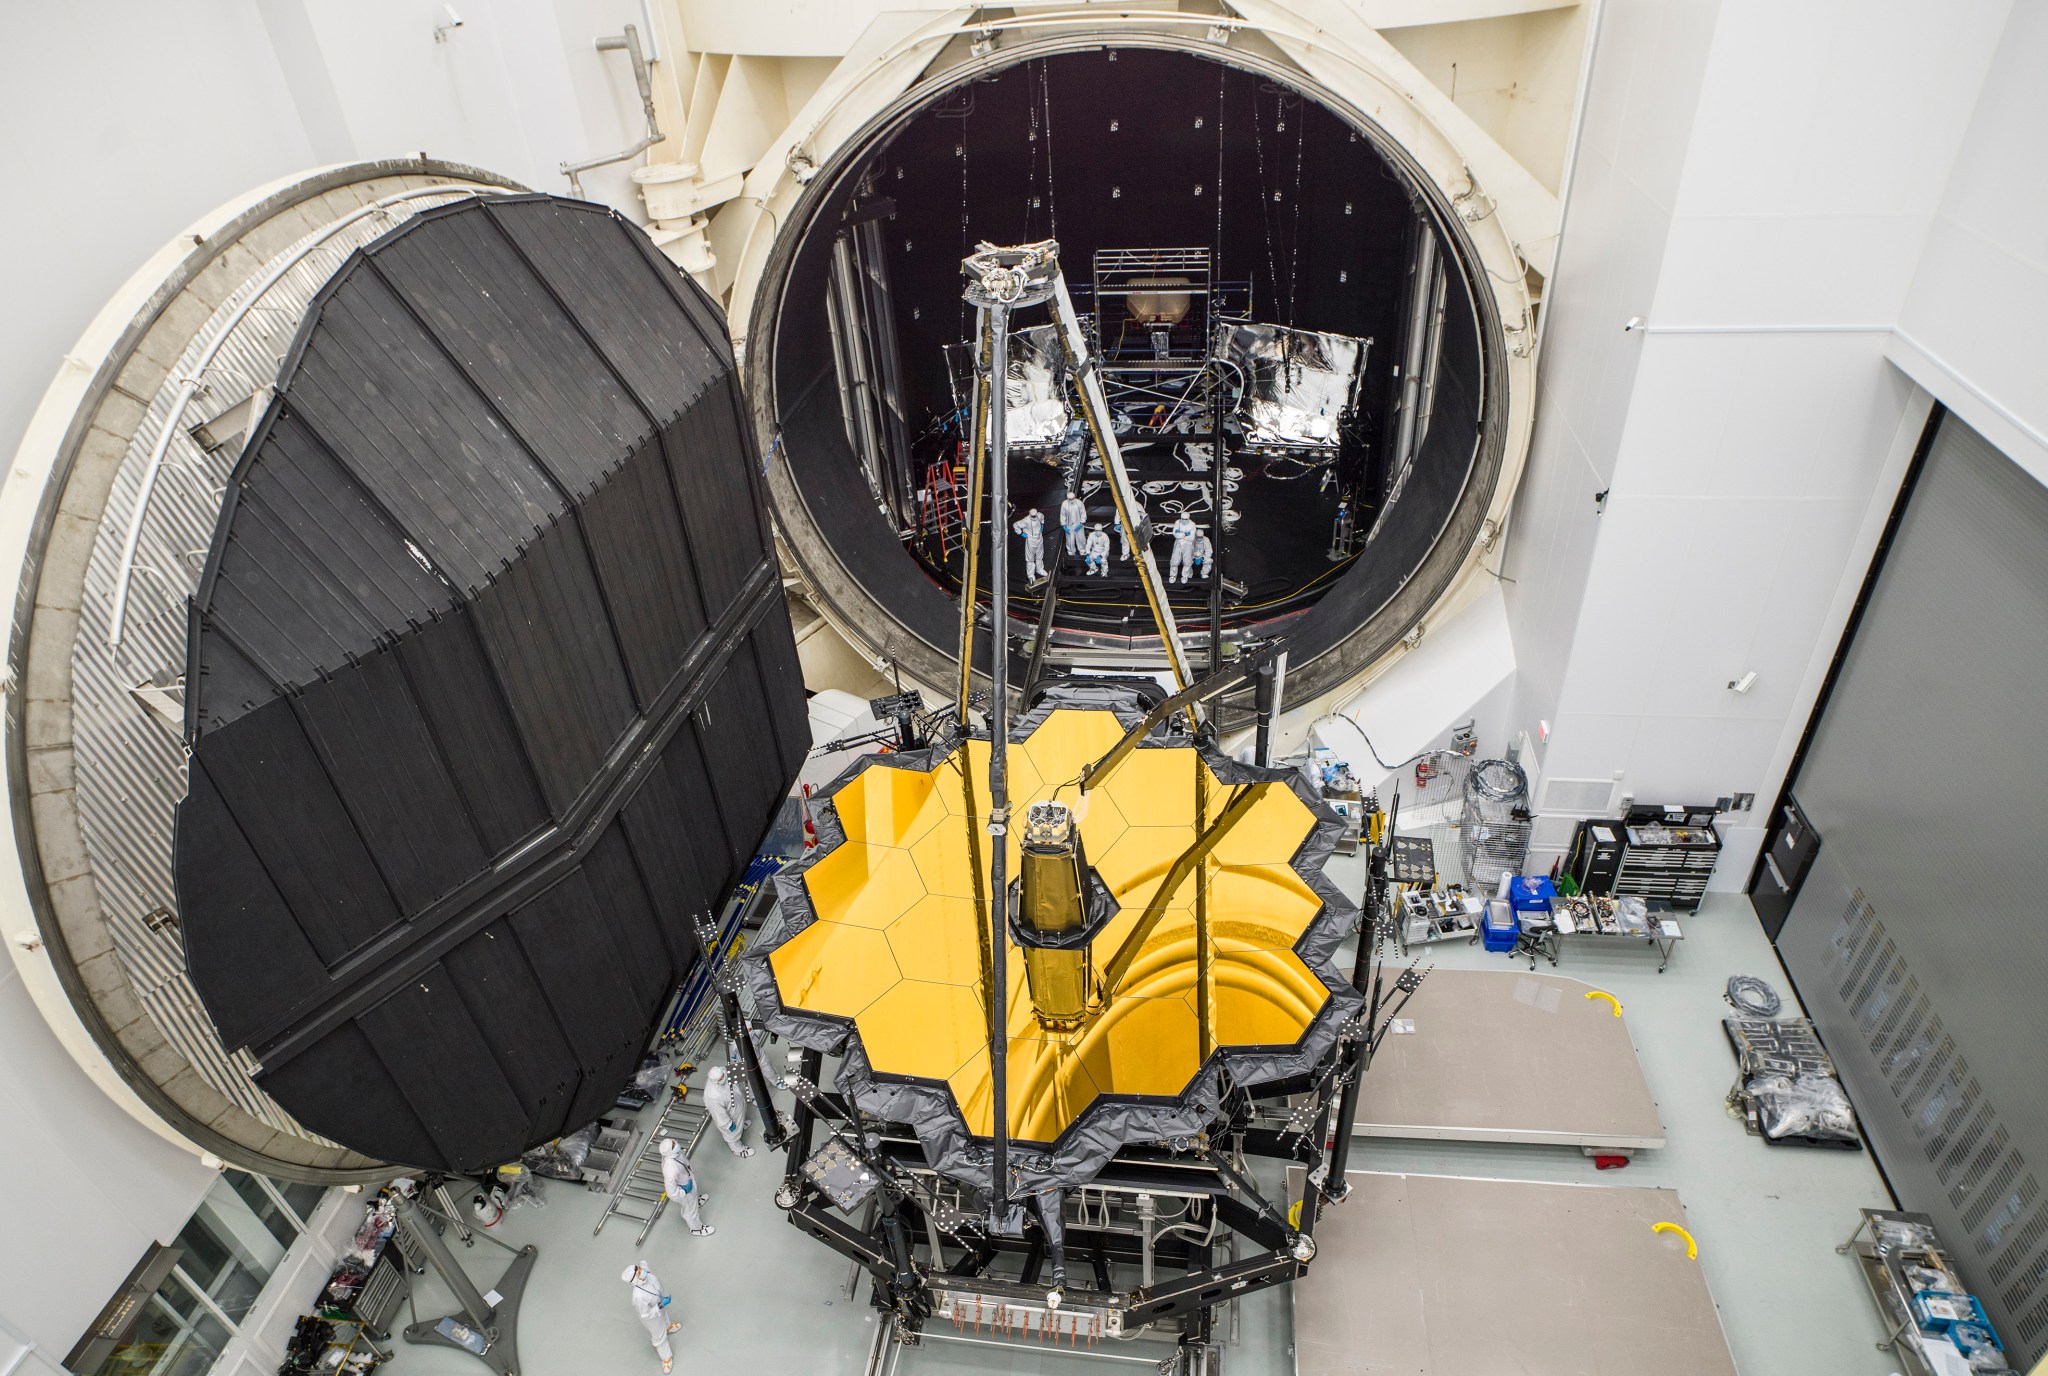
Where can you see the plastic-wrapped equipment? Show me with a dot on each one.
(1805, 1106)
(1786, 1087)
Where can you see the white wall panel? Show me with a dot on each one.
(1836, 107)
(1981, 292)
(1750, 441)
(1776, 270)
(1783, 415)
(118, 127)
(1459, 670)
(1641, 92)
(85, 1188)
(519, 89)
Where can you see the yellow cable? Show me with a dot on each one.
(1692, 1249)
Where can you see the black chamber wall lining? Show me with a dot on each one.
(828, 477)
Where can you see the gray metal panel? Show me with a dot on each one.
(1916, 941)
(1499, 1056)
(1446, 1276)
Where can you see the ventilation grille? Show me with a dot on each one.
(1586, 797)
(1992, 1196)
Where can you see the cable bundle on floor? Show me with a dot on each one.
(1752, 997)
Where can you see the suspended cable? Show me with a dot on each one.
(1216, 252)
(960, 149)
(1294, 267)
(1266, 193)
(1052, 205)
(1031, 199)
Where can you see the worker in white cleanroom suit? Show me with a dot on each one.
(1095, 549)
(1123, 537)
(728, 1109)
(1183, 532)
(1032, 527)
(651, 1304)
(1073, 520)
(680, 1181)
(1204, 551)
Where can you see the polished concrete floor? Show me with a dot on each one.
(760, 1297)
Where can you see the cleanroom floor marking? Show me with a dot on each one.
(1447, 1276)
(760, 1297)
(1508, 1056)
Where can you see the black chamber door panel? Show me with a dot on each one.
(492, 690)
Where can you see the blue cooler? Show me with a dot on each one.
(1500, 929)
(1531, 893)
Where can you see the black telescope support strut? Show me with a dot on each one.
(1334, 1184)
(998, 757)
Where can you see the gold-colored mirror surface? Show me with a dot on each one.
(897, 944)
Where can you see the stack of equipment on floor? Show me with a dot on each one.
(1531, 893)
(611, 1147)
(323, 1347)
(372, 1278)
(1665, 853)
(1595, 857)
(1436, 914)
(1786, 1087)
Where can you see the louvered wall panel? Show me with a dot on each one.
(1917, 941)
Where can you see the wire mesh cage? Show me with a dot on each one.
(1433, 805)
(1496, 827)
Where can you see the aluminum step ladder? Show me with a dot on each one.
(638, 1192)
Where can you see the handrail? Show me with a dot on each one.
(124, 572)
(628, 43)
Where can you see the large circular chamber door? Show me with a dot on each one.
(1311, 353)
(409, 673)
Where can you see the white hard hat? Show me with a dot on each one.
(670, 1147)
(630, 1272)
(716, 1072)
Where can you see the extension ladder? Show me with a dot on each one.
(640, 1185)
